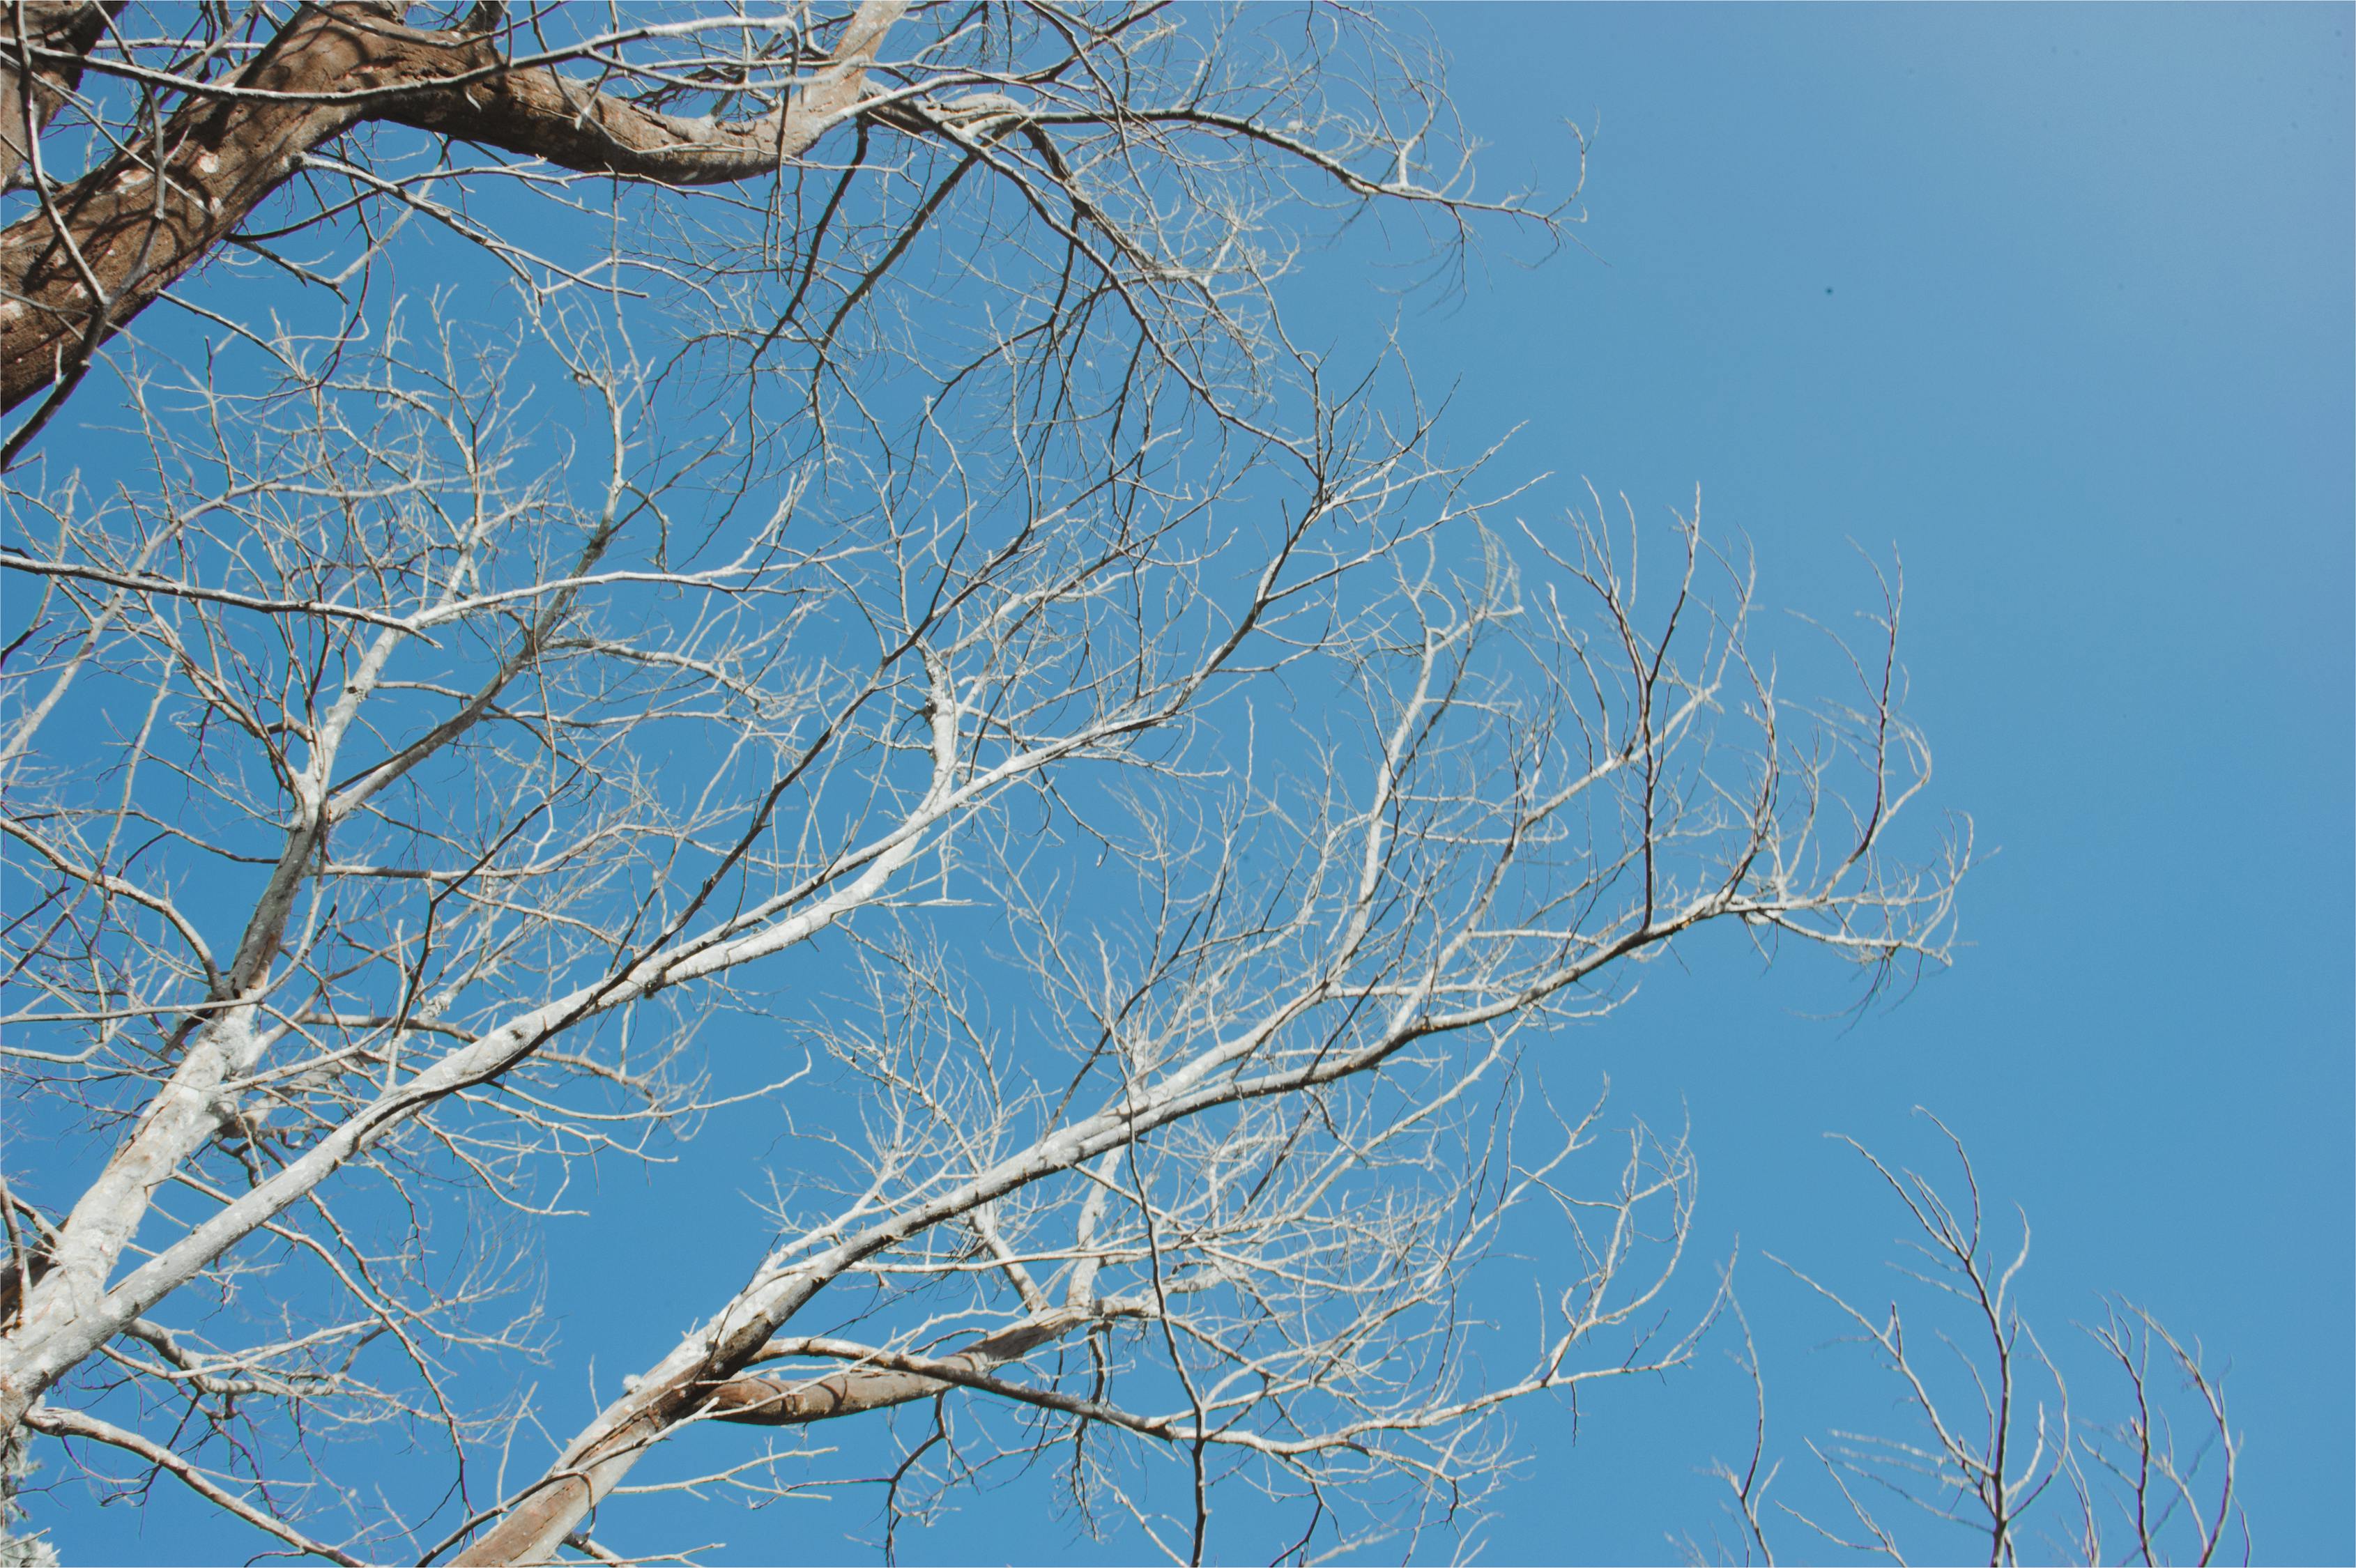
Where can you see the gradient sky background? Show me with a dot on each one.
(2053, 303)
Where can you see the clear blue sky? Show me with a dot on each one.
(2054, 303)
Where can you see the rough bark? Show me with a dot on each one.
(75, 271)
(28, 98)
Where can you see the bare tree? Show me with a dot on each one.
(1996, 1456)
(902, 637)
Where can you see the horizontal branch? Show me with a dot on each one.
(173, 587)
(887, 1378)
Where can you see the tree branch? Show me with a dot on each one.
(136, 224)
(58, 1423)
(41, 30)
(887, 1377)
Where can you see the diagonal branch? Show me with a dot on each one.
(74, 274)
(61, 1422)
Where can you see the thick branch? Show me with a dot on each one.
(533, 1527)
(72, 276)
(31, 28)
(543, 116)
(136, 224)
(783, 1401)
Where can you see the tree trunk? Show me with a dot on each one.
(107, 247)
(33, 89)
(103, 250)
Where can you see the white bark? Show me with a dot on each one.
(464, 755)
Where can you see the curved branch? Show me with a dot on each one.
(60, 1422)
(73, 275)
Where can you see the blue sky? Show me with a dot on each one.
(2053, 305)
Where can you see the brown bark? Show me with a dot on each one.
(571, 125)
(71, 277)
(781, 1401)
(544, 1515)
(36, 1266)
(27, 27)
(120, 235)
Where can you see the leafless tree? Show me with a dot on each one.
(1996, 1456)
(873, 619)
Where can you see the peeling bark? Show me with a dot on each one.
(795, 1401)
(537, 1523)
